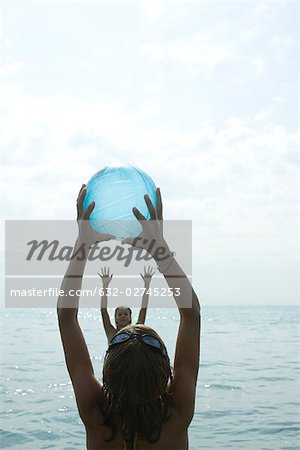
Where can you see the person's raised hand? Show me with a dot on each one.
(86, 234)
(151, 238)
(148, 274)
(105, 276)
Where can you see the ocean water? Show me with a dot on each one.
(248, 386)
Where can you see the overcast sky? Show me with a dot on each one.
(204, 97)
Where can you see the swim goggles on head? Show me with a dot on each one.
(147, 339)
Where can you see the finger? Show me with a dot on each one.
(159, 207)
(88, 211)
(150, 206)
(108, 272)
(80, 191)
(99, 274)
(80, 201)
(138, 215)
(111, 276)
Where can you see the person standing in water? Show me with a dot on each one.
(123, 314)
(142, 403)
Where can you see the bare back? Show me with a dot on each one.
(173, 436)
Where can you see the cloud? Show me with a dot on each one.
(198, 51)
(258, 65)
(230, 180)
(154, 51)
(262, 8)
(282, 41)
(10, 68)
(194, 50)
(153, 9)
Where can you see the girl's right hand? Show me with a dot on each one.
(106, 278)
(151, 238)
(148, 274)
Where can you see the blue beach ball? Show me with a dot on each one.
(115, 191)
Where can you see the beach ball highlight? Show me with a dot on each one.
(115, 191)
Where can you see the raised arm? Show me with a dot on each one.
(110, 330)
(86, 387)
(187, 352)
(148, 274)
(186, 363)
